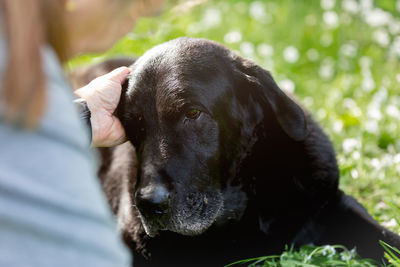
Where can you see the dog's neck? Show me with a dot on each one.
(286, 176)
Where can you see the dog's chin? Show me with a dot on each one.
(187, 219)
(150, 228)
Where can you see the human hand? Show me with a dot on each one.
(102, 96)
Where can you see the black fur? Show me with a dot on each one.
(251, 174)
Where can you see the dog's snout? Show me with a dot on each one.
(153, 200)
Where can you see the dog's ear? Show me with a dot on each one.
(289, 115)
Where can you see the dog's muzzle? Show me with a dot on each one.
(153, 203)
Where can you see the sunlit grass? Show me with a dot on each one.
(309, 256)
(392, 254)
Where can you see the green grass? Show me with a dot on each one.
(343, 65)
(309, 256)
(392, 254)
(327, 256)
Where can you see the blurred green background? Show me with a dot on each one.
(340, 58)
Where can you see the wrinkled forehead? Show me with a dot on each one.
(175, 75)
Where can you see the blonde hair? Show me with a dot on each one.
(27, 26)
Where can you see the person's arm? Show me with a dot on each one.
(97, 103)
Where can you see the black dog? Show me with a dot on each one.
(228, 167)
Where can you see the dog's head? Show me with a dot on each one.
(191, 109)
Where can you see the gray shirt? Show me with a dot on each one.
(52, 209)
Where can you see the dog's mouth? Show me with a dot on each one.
(189, 215)
(150, 227)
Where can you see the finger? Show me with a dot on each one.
(80, 92)
(106, 136)
(119, 74)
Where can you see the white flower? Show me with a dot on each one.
(233, 37)
(353, 252)
(393, 111)
(390, 224)
(394, 27)
(354, 174)
(349, 103)
(344, 257)
(387, 160)
(374, 112)
(368, 83)
(350, 144)
(366, 4)
(291, 54)
(356, 155)
(379, 97)
(395, 47)
(327, 4)
(312, 54)
(287, 85)
(376, 163)
(396, 158)
(349, 49)
(327, 70)
(211, 18)
(308, 101)
(371, 126)
(338, 126)
(321, 114)
(377, 17)
(265, 50)
(247, 49)
(331, 250)
(194, 28)
(331, 19)
(258, 11)
(381, 205)
(350, 6)
(381, 37)
(307, 258)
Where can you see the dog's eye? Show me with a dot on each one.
(193, 114)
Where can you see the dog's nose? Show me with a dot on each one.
(153, 200)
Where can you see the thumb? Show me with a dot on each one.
(119, 74)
